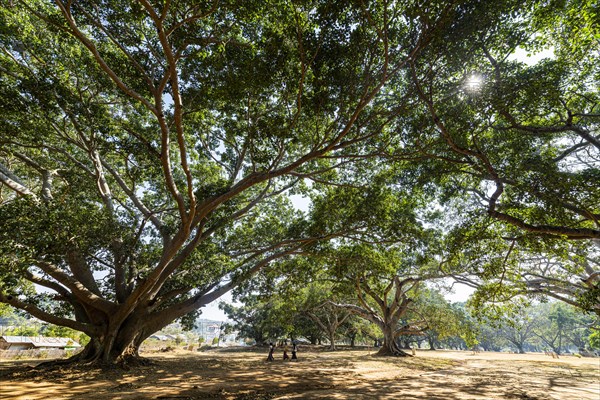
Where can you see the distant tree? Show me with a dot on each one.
(519, 329)
(594, 340)
(441, 319)
(384, 283)
(359, 330)
(258, 318)
(306, 328)
(330, 318)
(60, 331)
(554, 322)
(469, 326)
(317, 302)
(581, 329)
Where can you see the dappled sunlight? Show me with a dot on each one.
(473, 83)
(448, 375)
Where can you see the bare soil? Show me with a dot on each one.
(244, 374)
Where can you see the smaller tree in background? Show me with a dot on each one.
(594, 340)
(561, 325)
(23, 330)
(330, 318)
(442, 320)
(384, 283)
(258, 318)
(555, 320)
(317, 302)
(288, 308)
(469, 332)
(359, 330)
(519, 329)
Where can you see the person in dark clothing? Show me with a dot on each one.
(271, 350)
(294, 351)
(285, 351)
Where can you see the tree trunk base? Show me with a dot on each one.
(79, 360)
(134, 361)
(385, 352)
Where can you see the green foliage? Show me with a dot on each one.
(6, 311)
(594, 340)
(470, 339)
(23, 330)
(443, 320)
(61, 331)
(588, 297)
(83, 339)
(514, 161)
(147, 156)
(260, 318)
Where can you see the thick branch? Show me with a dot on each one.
(14, 183)
(78, 289)
(76, 32)
(553, 230)
(53, 319)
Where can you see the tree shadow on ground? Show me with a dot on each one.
(245, 375)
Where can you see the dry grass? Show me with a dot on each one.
(243, 374)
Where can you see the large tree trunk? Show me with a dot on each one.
(116, 346)
(431, 341)
(390, 346)
(390, 311)
(331, 334)
(120, 344)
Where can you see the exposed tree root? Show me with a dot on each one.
(386, 352)
(51, 364)
(124, 363)
(134, 361)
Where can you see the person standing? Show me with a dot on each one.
(285, 351)
(271, 351)
(294, 351)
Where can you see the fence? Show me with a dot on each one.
(35, 354)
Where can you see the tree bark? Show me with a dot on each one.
(431, 341)
(390, 346)
(331, 334)
(117, 345)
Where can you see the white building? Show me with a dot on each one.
(36, 342)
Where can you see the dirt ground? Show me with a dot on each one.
(243, 374)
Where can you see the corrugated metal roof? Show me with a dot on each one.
(159, 337)
(41, 341)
